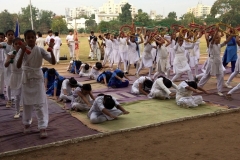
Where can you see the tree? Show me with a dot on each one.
(142, 18)
(91, 25)
(44, 20)
(189, 18)
(7, 21)
(229, 11)
(172, 15)
(59, 24)
(167, 22)
(125, 17)
(210, 20)
(25, 20)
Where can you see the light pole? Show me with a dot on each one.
(31, 14)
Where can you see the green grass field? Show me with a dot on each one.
(84, 47)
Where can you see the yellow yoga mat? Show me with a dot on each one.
(147, 112)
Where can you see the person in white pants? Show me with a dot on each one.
(160, 89)
(105, 108)
(56, 47)
(229, 94)
(2, 59)
(71, 44)
(84, 99)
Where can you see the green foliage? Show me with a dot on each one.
(59, 24)
(81, 30)
(125, 17)
(172, 15)
(229, 11)
(44, 21)
(142, 19)
(25, 20)
(7, 21)
(189, 18)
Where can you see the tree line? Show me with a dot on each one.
(225, 11)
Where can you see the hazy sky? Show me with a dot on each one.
(58, 6)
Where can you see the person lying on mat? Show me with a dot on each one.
(84, 99)
(117, 81)
(95, 71)
(105, 108)
(160, 89)
(184, 96)
(142, 85)
(84, 70)
(68, 85)
(55, 90)
(104, 77)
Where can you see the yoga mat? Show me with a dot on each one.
(147, 112)
(62, 126)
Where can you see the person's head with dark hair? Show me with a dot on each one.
(39, 34)
(16, 45)
(73, 83)
(2, 37)
(50, 31)
(101, 94)
(86, 89)
(147, 84)
(180, 40)
(86, 67)
(108, 102)
(99, 65)
(70, 32)
(30, 37)
(166, 82)
(95, 39)
(192, 84)
(56, 33)
(51, 72)
(92, 33)
(120, 74)
(10, 35)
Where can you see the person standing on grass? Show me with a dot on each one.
(40, 42)
(71, 44)
(92, 36)
(56, 47)
(50, 36)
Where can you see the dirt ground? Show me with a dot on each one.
(209, 138)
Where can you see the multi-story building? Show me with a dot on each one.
(153, 14)
(83, 10)
(200, 10)
(111, 10)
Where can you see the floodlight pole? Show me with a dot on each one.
(31, 14)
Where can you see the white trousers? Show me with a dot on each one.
(71, 50)
(178, 75)
(66, 97)
(56, 54)
(206, 77)
(234, 74)
(41, 113)
(192, 101)
(97, 117)
(234, 89)
(1, 81)
(83, 74)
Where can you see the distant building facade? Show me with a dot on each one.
(200, 10)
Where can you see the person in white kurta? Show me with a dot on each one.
(163, 65)
(171, 49)
(115, 52)
(95, 71)
(180, 63)
(33, 89)
(2, 60)
(142, 85)
(184, 96)
(71, 44)
(8, 47)
(133, 56)
(146, 60)
(105, 108)
(94, 44)
(84, 70)
(237, 66)
(40, 42)
(56, 47)
(84, 99)
(108, 49)
(123, 52)
(160, 89)
(214, 65)
(15, 77)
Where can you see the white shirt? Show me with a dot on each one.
(57, 42)
(70, 39)
(65, 85)
(98, 106)
(94, 44)
(108, 43)
(140, 81)
(122, 45)
(40, 42)
(2, 58)
(182, 91)
(47, 40)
